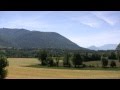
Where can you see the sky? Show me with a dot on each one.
(85, 28)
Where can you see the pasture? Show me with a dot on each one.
(18, 70)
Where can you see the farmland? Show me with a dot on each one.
(18, 69)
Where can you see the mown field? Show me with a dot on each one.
(18, 69)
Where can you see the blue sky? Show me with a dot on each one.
(85, 28)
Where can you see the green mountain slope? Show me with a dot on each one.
(22, 38)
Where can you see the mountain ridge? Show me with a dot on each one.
(23, 38)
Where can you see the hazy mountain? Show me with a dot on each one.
(93, 48)
(22, 38)
(104, 47)
(118, 47)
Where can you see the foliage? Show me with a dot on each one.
(57, 61)
(50, 61)
(118, 55)
(104, 61)
(3, 64)
(3, 73)
(42, 56)
(91, 56)
(66, 60)
(77, 60)
(113, 64)
(113, 56)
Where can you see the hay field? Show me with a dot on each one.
(17, 70)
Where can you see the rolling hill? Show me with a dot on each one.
(22, 38)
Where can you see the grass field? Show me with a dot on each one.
(18, 70)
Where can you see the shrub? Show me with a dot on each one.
(3, 64)
(42, 56)
(113, 64)
(104, 61)
(66, 60)
(50, 61)
(91, 66)
(84, 65)
(77, 60)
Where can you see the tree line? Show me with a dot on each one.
(76, 59)
(33, 53)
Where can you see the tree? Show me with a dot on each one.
(3, 64)
(86, 57)
(113, 56)
(118, 55)
(104, 60)
(66, 60)
(95, 57)
(42, 56)
(77, 60)
(113, 64)
(119, 58)
(50, 61)
(57, 61)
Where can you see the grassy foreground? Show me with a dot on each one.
(18, 69)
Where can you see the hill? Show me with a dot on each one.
(22, 38)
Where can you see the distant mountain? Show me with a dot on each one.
(22, 38)
(104, 47)
(109, 47)
(118, 47)
(93, 48)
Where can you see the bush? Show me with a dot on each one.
(66, 60)
(113, 56)
(3, 73)
(3, 64)
(104, 61)
(50, 61)
(113, 64)
(91, 66)
(77, 60)
(84, 65)
(42, 56)
(57, 61)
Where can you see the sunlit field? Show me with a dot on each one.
(18, 70)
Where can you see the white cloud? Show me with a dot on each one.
(88, 20)
(109, 17)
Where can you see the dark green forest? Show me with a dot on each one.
(89, 55)
(22, 38)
